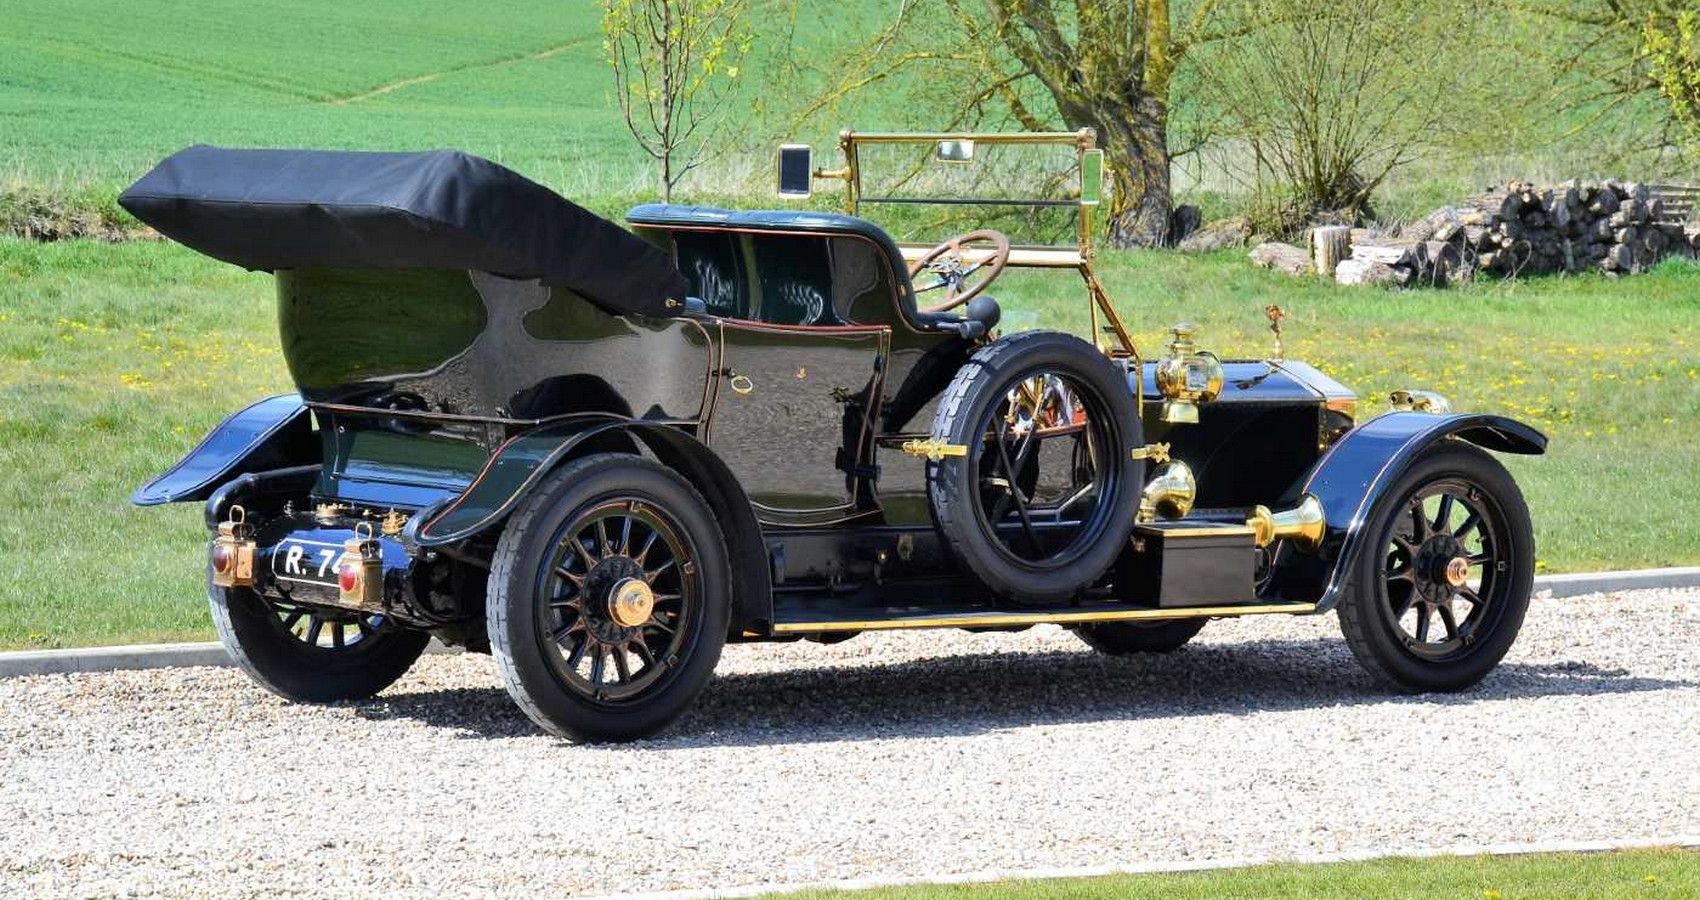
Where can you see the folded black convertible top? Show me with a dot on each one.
(286, 209)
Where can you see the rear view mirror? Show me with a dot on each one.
(796, 171)
(955, 151)
(1091, 177)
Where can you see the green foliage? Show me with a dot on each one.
(675, 63)
(1672, 46)
(116, 358)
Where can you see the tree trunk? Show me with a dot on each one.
(1136, 150)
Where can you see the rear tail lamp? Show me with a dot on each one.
(360, 570)
(232, 551)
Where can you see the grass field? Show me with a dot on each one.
(115, 358)
(1601, 876)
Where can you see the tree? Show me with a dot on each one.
(1628, 55)
(1326, 101)
(1058, 65)
(675, 63)
(1672, 44)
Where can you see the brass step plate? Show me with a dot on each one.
(994, 619)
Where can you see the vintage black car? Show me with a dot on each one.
(601, 454)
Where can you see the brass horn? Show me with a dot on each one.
(1304, 525)
(1170, 494)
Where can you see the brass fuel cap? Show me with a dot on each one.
(630, 602)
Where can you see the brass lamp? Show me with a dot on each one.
(1188, 377)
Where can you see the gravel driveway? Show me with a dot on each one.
(888, 755)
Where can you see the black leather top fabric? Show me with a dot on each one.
(288, 209)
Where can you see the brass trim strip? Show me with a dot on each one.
(971, 620)
(1154, 529)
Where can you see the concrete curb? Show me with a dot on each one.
(1578, 583)
(1686, 842)
(160, 656)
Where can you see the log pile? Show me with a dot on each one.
(1522, 229)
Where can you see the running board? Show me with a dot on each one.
(890, 619)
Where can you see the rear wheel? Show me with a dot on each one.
(609, 599)
(312, 655)
(1436, 601)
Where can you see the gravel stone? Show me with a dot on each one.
(922, 753)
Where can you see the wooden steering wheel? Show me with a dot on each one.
(949, 263)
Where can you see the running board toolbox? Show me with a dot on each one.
(1185, 564)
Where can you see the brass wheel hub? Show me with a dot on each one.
(1457, 571)
(630, 602)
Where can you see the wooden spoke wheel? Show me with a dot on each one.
(1436, 600)
(609, 599)
(312, 654)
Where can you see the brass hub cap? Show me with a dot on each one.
(1458, 571)
(630, 602)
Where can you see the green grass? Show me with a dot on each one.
(1600, 876)
(95, 91)
(116, 358)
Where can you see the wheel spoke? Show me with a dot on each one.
(1448, 619)
(596, 665)
(1423, 613)
(1400, 607)
(1419, 522)
(620, 666)
(336, 635)
(602, 538)
(584, 553)
(1020, 502)
(1475, 599)
(1471, 520)
(290, 620)
(578, 651)
(643, 653)
(364, 626)
(650, 576)
(562, 633)
(644, 553)
(1443, 516)
(314, 626)
(626, 535)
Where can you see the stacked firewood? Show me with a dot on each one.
(1522, 229)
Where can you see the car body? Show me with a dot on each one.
(472, 353)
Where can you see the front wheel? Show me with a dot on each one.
(312, 655)
(1436, 600)
(609, 599)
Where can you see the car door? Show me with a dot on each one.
(792, 415)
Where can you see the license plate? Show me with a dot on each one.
(310, 562)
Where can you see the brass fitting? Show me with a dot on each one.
(1420, 401)
(1305, 525)
(1188, 377)
(1170, 494)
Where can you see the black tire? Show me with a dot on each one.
(291, 653)
(1122, 638)
(545, 621)
(1495, 530)
(956, 486)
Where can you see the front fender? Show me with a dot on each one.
(273, 433)
(1359, 469)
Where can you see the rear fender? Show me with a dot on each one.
(273, 433)
(1357, 472)
(520, 464)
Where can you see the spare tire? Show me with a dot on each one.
(1042, 501)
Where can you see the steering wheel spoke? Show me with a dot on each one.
(958, 261)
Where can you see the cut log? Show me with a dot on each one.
(1329, 245)
(1364, 271)
(1285, 257)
